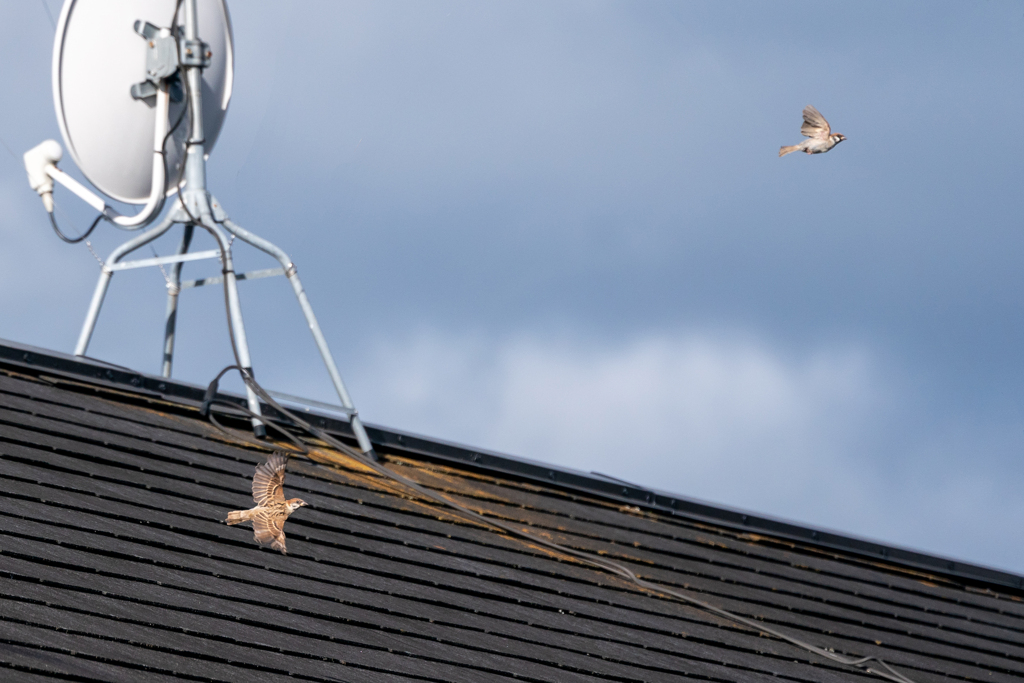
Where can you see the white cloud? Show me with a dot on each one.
(828, 438)
(722, 419)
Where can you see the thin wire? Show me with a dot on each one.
(96, 256)
(9, 150)
(163, 272)
(49, 15)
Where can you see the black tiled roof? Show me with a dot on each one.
(114, 565)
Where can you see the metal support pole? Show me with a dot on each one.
(197, 202)
(195, 210)
(105, 275)
(321, 342)
(173, 290)
(235, 313)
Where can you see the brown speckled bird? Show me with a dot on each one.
(820, 137)
(271, 509)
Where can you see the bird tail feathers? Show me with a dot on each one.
(788, 149)
(239, 516)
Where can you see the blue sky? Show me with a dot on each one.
(561, 230)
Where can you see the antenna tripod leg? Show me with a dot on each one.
(104, 282)
(94, 312)
(235, 311)
(173, 290)
(291, 272)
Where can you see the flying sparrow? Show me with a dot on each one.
(271, 508)
(816, 128)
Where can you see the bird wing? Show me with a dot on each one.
(268, 528)
(815, 125)
(268, 482)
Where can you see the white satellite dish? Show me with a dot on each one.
(97, 57)
(122, 71)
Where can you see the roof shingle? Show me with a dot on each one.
(115, 565)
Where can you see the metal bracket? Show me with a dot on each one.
(219, 214)
(195, 53)
(162, 260)
(251, 275)
(195, 207)
(191, 202)
(315, 404)
(194, 200)
(161, 63)
(145, 89)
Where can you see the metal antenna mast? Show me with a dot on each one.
(195, 207)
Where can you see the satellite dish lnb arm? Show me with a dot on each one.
(158, 188)
(41, 165)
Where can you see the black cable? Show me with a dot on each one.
(163, 145)
(74, 240)
(183, 75)
(162, 152)
(302, 448)
(608, 565)
(245, 372)
(211, 391)
(184, 110)
(370, 460)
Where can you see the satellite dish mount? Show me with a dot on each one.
(169, 58)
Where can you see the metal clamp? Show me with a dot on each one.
(239, 277)
(161, 63)
(195, 53)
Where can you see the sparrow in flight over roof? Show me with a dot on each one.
(271, 509)
(816, 129)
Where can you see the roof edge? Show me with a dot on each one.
(33, 360)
